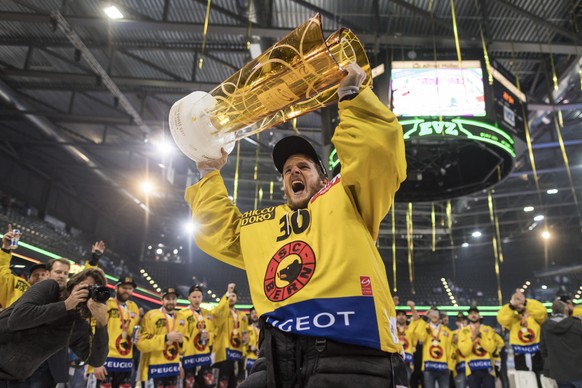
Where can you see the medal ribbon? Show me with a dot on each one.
(124, 323)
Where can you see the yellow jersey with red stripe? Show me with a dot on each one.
(301, 280)
(408, 341)
(252, 347)
(158, 359)
(196, 351)
(230, 326)
(478, 352)
(436, 345)
(457, 360)
(121, 320)
(524, 328)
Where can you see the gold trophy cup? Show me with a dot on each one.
(297, 75)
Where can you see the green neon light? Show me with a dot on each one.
(333, 160)
(460, 128)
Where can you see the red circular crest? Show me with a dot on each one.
(123, 346)
(404, 342)
(284, 280)
(235, 340)
(171, 352)
(197, 342)
(436, 352)
(478, 350)
(526, 336)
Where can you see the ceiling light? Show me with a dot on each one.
(209, 292)
(147, 187)
(218, 299)
(175, 251)
(113, 12)
(528, 282)
(189, 227)
(443, 280)
(164, 147)
(142, 270)
(214, 295)
(148, 278)
(465, 244)
(545, 234)
(476, 234)
(539, 217)
(522, 290)
(528, 209)
(159, 251)
(552, 191)
(544, 287)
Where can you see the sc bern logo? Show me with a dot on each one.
(289, 270)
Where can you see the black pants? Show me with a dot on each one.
(481, 379)
(12, 384)
(42, 377)
(227, 373)
(537, 363)
(199, 377)
(288, 361)
(116, 380)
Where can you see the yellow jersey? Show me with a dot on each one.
(121, 320)
(230, 325)
(195, 351)
(11, 286)
(479, 353)
(436, 345)
(317, 271)
(524, 328)
(252, 347)
(158, 359)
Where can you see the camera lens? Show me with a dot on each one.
(99, 294)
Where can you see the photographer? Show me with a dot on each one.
(45, 320)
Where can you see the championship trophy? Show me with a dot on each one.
(297, 75)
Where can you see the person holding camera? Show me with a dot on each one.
(47, 319)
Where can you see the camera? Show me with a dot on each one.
(99, 294)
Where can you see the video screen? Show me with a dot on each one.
(441, 88)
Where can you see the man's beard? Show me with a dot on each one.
(477, 320)
(122, 297)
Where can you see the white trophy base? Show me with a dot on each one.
(193, 131)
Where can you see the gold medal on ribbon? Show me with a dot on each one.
(235, 331)
(124, 334)
(435, 343)
(524, 329)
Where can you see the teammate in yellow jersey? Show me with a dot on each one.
(477, 343)
(160, 343)
(11, 286)
(122, 317)
(251, 340)
(197, 324)
(230, 325)
(523, 318)
(316, 294)
(407, 340)
(436, 350)
(457, 358)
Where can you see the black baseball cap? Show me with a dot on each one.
(473, 308)
(169, 291)
(293, 145)
(195, 287)
(125, 280)
(37, 266)
(565, 298)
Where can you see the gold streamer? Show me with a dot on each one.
(498, 234)
(271, 185)
(394, 247)
(294, 122)
(554, 75)
(235, 194)
(486, 55)
(455, 30)
(409, 231)
(260, 195)
(433, 222)
(449, 212)
(567, 164)
(526, 125)
(495, 249)
(204, 34)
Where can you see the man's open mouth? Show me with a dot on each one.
(297, 186)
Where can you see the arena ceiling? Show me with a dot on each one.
(84, 102)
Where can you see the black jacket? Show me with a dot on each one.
(38, 326)
(561, 346)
